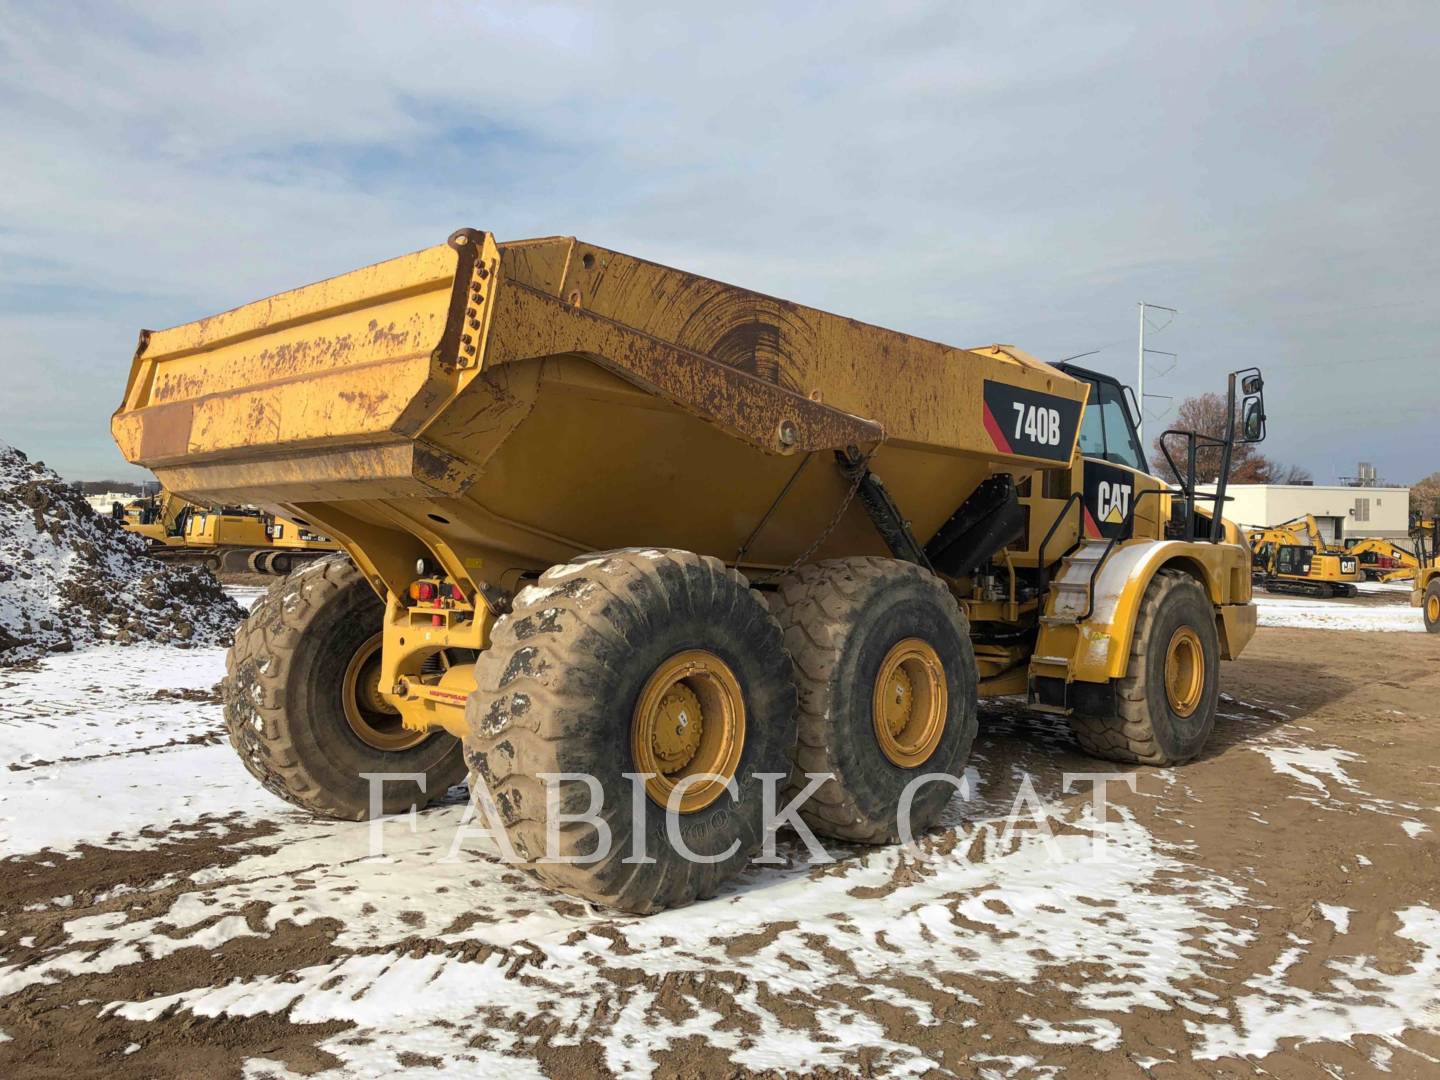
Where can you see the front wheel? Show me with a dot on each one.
(1431, 606)
(1163, 710)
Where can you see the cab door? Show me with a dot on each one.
(1113, 460)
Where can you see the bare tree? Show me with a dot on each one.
(1205, 415)
(1424, 495)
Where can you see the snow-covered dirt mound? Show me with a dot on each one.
(70, 578)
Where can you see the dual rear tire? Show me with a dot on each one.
(663, 677)
(887, 693)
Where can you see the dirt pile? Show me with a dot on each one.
(71, 578)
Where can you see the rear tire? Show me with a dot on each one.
(844, 619)
(285, 704)
(567, 686)
(1164, 708)
(1431, 607)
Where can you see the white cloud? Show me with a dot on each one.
(967, 174)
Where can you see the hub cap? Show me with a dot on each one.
(1184, 671)
(689, 719)
(374, 720)
(1432, 609)
(910, 703)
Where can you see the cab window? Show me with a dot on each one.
(1294, 560)
(1106, 431)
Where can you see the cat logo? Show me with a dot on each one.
(1112, 502)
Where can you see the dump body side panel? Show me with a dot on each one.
(919, 391)
(480, 397)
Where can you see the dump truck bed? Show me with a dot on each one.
(527, 400)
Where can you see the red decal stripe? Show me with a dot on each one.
(996, 435)
(1091, 529)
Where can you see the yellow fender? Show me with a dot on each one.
(1098, 648)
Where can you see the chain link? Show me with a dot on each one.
(861, 469)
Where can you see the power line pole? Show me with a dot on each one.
(1140, 364)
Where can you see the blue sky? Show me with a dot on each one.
(975, 173)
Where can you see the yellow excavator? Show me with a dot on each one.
(224, 537)
(292, 542)
(1294, 557)
(160, 518)
(232, 538)
(1383, 560)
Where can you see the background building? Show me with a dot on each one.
(1341, 510)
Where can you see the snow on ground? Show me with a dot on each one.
(246, 595)
(1366, 997)
(1137, 917)
(1305, 614)
(1145, 925)
(1384, 588)
(75, 728)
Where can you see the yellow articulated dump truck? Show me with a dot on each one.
(1426, 591)
(669, 537)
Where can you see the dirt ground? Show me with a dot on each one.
(1308, 835)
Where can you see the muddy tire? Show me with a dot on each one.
(1163, 711)
(279, 562)
(1430, 607)
(569, 685)
(285, 704)
(844, 621)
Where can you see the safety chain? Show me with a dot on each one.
(861, 469)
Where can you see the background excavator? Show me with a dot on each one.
(160, 518)
(1294, 557)
(230, 538)
(1383, 560)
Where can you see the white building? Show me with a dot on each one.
(101, 503)
(1341, 511)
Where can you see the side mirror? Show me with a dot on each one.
(1254, 412)
(1253, 385)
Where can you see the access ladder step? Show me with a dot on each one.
(1053, 710)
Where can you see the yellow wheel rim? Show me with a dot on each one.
(374, 720)
(1184, 671)
(910, 703)
(689, 720)
(1432, 609)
